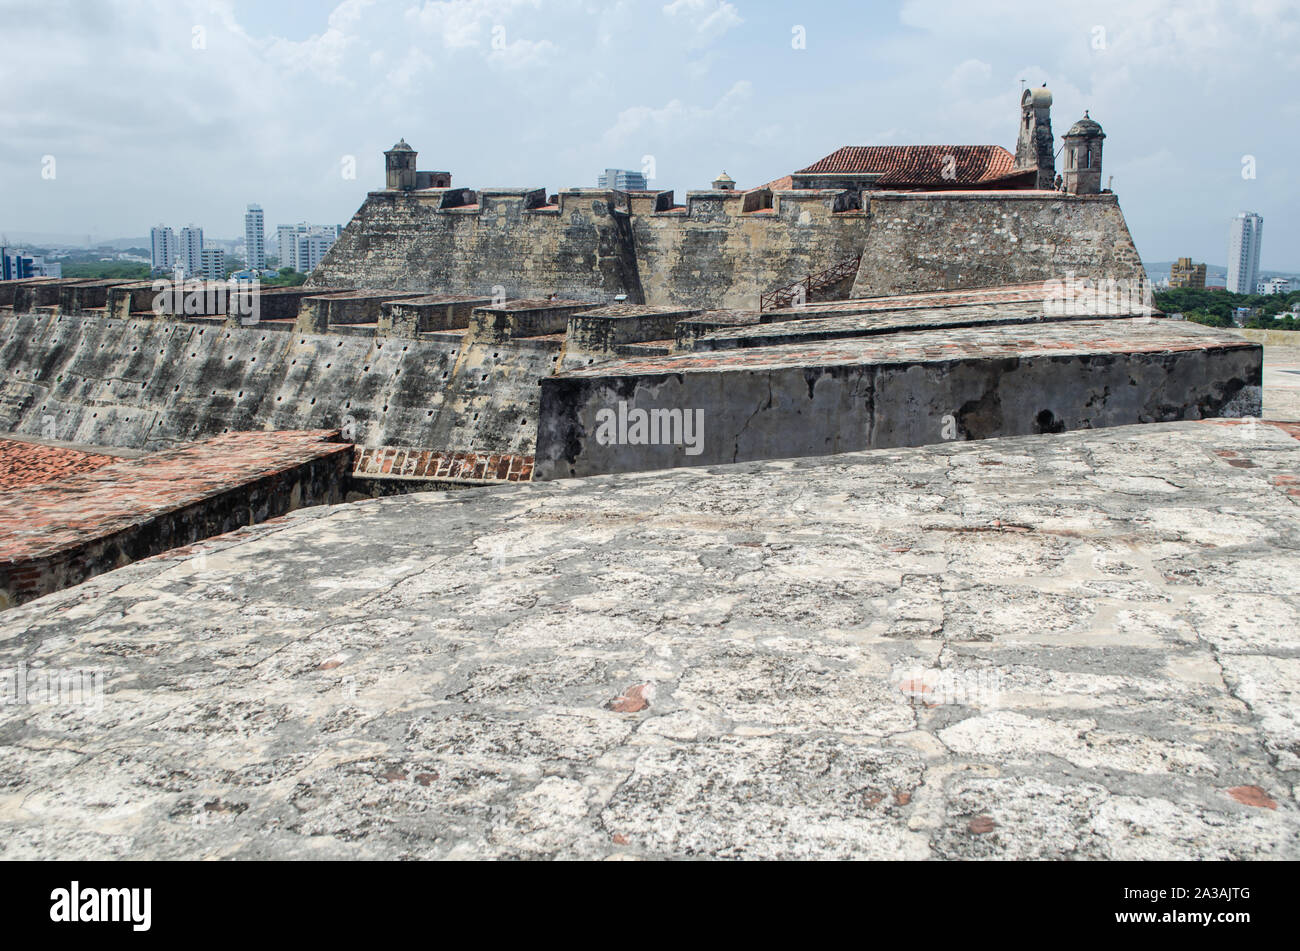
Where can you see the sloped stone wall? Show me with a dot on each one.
(596, 245)
(927, 242)
(152, 384)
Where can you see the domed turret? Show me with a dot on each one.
(1083, 157)
(1087, 126)
(724, 183)
(399, 167)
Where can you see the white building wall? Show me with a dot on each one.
(255, 237)
(1245, 237)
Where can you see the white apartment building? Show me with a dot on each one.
(1244, 239)
(302, 246)
(213, 264)
(255, 238)
(163, 248)
(190, 250)
(1274, 285)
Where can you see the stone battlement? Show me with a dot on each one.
(723, 249)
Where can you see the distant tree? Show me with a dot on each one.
(130, 270)
(287, 277)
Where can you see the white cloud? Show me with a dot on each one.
(160, 130)
(676, 119)
(707, 19)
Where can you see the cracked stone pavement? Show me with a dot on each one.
(1075, 646)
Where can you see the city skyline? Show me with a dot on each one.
(308, 95)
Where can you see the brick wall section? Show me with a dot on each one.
(440, 466)
(25, 463)
(60, 533)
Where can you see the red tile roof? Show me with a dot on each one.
(25, 463)
(78, 507)
(912, 165)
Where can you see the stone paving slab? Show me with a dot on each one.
(1100, 336)
(937, 319)
(1281, 382)
(1080, 646)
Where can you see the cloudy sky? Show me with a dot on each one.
(118, 115)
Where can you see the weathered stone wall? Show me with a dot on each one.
(928, 242)
(901, 391)
(712, 253)
(150, 384)
(717, 256)
(404, 241)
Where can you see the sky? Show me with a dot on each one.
(121, 114)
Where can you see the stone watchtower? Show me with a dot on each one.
(399, 167)
(1035, 146)
(1082, 157)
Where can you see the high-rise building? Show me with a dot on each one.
(255, 237)
(312, 248)
(190, 249)
(623, 179)
(302, 246)
(213, 264)
(15, 263)
(163, 245)
(1184, 273)
(284, 249)
(1244, 240)
(1274, 285)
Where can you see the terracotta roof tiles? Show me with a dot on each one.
(910, 165)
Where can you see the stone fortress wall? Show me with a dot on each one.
(506, 321)
(144, 383)
(713, 253)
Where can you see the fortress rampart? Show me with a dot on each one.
(722, 249)
(148, 383)
(879, 297)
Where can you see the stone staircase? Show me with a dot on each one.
(834, 283)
